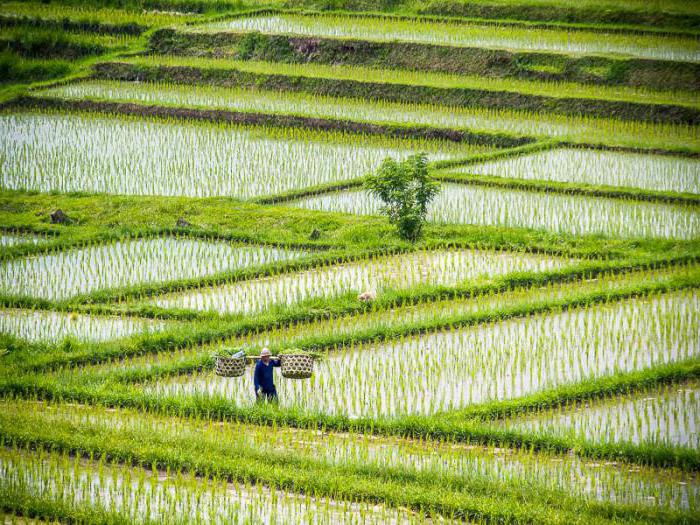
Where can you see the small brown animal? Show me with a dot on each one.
(367, 296)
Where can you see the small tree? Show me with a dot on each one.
(406, 190)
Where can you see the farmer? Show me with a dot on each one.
(263, 378)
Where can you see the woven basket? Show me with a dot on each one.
(297, 366)
(230, 366)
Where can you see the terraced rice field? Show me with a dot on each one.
(129, 262)
(40, 325)
(570, 214)
(395, 272)
(505, 360)
(333, 332)
(220, 160)
(139, 496)
(595, 480)
(667, 415)
(544, 125)
(56, 11)
(467, 35)
(525, 351)
(599, 168)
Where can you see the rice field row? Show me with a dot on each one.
(597, 167)
(452, 369)
(8, 239)
(649, 6)
(440, 267)
(466, 35)
(554, 89)
(567, 214)
(620, 483)
(63, 274)
(325, 333)
(667, 415)
(149, 497)
(541, 125)
(49, 326)
(78, 152)
(60, 11)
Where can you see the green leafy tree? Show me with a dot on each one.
(405, 190)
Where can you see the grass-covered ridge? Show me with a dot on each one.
(463, 35)
(534, 65)
(368, 83)
(559, 212)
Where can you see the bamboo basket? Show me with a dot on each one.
(297, 366)
(230, 366)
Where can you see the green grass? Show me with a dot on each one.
(42, 43)
(104, 217)
(665, 15)
(18, 70)
(191, 71)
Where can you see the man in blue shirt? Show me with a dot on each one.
(263, 378)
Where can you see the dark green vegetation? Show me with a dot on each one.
(146, 404)
(405, 190)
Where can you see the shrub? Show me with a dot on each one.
(406, 190)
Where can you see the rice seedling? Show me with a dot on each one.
(598, 481)
(141, 496)
(13, 239)
(652, 172)
(542, 211)
(63, 274)
(44, 325)
(573, 128)
(658, 6)
(66, 152)
(554, 89)
(503, 360)
(82, 13)
(549, 89)
(444, 267)
(667, 415)
(466, 35)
